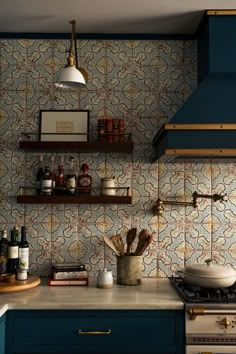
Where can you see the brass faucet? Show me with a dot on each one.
(159, 206)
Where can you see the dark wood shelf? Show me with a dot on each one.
(77, 146)
(69, 199)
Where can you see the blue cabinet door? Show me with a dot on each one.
(2, 335)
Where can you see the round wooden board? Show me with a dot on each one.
(31, 282)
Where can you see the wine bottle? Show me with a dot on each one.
(61, 186)
(46, 183)
(23, 250)
(53, 173)
(71, 178)
(4, 242)
(13, 251)
(39, 175)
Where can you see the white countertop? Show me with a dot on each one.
(153, 294)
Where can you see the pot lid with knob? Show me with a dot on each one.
(210, 270)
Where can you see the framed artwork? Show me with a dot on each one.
(64, 125)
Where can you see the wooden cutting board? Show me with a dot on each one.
(31, 282)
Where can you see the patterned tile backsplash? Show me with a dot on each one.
(144, 82)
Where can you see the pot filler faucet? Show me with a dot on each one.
(159, 206)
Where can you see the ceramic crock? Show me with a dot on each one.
(105, 279)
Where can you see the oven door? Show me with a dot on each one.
(210, 349)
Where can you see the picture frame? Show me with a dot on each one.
(64, 125)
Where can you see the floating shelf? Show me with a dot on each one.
(125, 146)
(69, 199)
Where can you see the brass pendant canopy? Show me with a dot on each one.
(71, 77)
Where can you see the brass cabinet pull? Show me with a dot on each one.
(206, 353)
(80, 331)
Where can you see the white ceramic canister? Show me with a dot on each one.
(105, 279)
(108, 186)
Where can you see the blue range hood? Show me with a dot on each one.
(205, 126)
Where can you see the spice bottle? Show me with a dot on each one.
(84, 181)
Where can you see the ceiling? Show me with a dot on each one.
(106, 16)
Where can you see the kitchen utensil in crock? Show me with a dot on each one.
(147, 243)
(130, 238)
(209, 275)
(119, 245)
(143, 236)
(109, 242)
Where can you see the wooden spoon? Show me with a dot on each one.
(119, 245)
(130, 238)
(148, 241)
(110, 244)
(143, 236)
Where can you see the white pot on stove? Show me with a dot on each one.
(209, 275)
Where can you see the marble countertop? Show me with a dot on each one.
(153, 293)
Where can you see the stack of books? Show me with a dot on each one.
(110, 129)
(69, 274)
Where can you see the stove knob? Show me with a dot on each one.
(224, 322)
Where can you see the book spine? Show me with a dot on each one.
(109, 129)
(68, 282)
(101, 129)
(115, 124)
(121, 130)
(70, 275)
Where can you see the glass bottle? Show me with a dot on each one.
(71, 178)
(39, 175)
(3, 261)
(84, 181)
(53, 173)
(4, 242)
(46, 182)
(13, 251)
(23, 250)
(61, 187)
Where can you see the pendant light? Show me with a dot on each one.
(71, 76)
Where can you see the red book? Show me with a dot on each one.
(109, 129)
(68, 282)
(115, 124)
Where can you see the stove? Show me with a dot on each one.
(210, 317)
(197, 295)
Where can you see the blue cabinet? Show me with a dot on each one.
(2, 334)
(92, 331)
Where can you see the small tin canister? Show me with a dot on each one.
(108, 186)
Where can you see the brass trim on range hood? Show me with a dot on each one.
(211, 126)
(165, 153)
(221, 12)
(199, 152)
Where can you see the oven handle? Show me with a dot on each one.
(194, 312)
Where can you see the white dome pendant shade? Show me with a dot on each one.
(71, 77)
